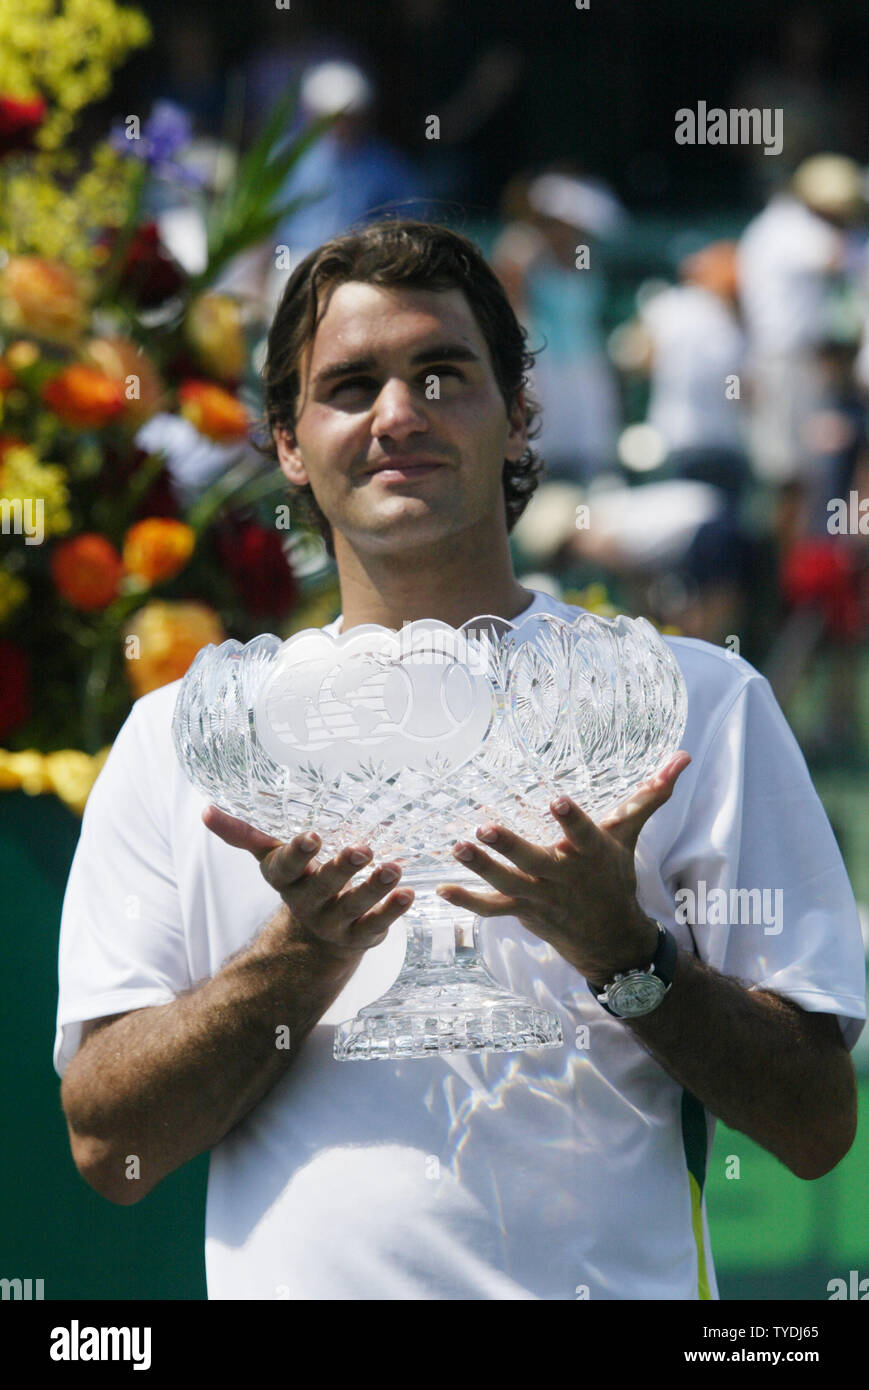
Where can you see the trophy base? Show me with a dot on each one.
(424, 1020)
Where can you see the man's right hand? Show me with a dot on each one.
(344, 921)
(169, 1081)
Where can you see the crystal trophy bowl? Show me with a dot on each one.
(407, 741)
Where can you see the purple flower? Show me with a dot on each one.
(166, 131)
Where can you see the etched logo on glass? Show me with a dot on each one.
(399, 698)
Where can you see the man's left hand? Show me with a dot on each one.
(580, 893)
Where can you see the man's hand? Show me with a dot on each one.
(345, 923)
(578, 894)
(757, 1061)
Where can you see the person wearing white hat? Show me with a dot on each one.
(790, 256)
(351, 172)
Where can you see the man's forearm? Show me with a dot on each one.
(168, 1082)
(758, 1062)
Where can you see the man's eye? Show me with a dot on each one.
(353, 381)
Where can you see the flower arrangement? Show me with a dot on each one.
(113, 570)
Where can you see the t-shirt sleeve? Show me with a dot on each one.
(768, 898)
(122, 944)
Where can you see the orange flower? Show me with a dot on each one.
(42, 297)
(167, 638)
(84, 397)
(122, 361)
(21, 355)
(213, 411)
(213, 329)
(7, 378)
(87, 571)
(157, 548)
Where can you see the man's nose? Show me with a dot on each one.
(397, 412)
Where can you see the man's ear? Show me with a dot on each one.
(517, 439)
(289, 457)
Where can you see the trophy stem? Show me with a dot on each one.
(445, 999)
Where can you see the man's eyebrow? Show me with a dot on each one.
(439, 352)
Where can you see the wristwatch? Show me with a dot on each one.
(633, 993)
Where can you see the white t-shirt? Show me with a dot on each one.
(697, 344)
(549, 1174)
(785, 256)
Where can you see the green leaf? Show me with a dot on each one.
(243, 484)
(245, 213)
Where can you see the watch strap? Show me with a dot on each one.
(663, 966)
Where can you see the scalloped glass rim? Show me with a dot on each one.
(588, 708)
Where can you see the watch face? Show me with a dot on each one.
(637, 995)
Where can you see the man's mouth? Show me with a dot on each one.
(403, 467)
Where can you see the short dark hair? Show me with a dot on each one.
(399, 252)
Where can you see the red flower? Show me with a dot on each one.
(149, 274)
(254, 557)
(87, 571)
(821, 573)
(122, 463)
(20, 118)
(14, 687)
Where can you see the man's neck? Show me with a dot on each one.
(395, 589)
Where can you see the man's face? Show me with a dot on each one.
(403, 378)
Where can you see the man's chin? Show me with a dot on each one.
(404, 530)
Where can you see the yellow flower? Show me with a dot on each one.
(594, 598)
(24, 478)
(43, 297)
(72, 774)
(214, 330)
(25, 770)
(65, 51)
(13, 592)
(168, 636)
(68, 773)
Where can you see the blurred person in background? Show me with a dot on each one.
(348, 176)
(355, 169)
(548, 258)
(824, 560)
(690, 340)
(792, 263)
(676, 544)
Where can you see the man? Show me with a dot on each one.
(394, 387)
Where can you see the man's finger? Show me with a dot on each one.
(578, 829)
(238, 833)
(532, 859)
(501, 876)
(325, 881)
(626, 823)
(353, 902)
(372, 927)
(483, 904)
